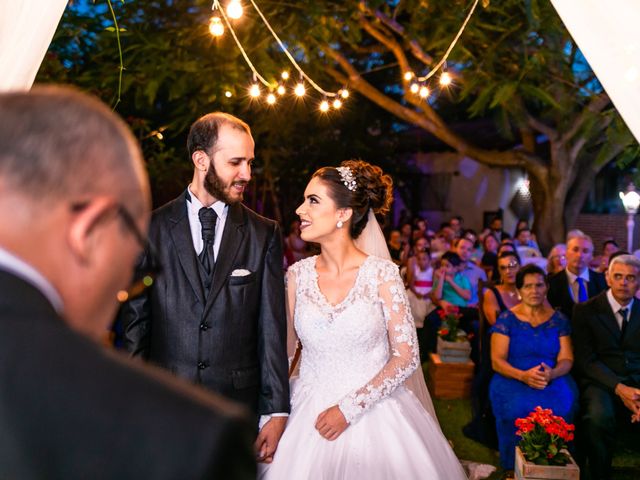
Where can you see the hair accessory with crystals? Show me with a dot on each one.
(347, 178)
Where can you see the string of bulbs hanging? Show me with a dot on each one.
(417, 85)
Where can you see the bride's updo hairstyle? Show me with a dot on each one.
(360, 186)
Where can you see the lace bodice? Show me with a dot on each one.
(359, 351)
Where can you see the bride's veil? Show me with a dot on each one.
(372, 242)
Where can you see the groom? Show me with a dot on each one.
(216, 315)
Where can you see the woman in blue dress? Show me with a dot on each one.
(531, 355)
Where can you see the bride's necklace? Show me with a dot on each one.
(513, 294)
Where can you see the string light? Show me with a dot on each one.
(285, 75)
(271, 99)
(228, 94)
(254, 90)
(300, 90)
(234, 9)
(408, 76)
(414, 88)
(424, 91)
(337, 103)
(281, 90)
(445, 79)
(344, 93)
(324, 106)
(215, 26)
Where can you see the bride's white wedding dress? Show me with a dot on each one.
(357, 355)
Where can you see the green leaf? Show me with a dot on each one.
(503, 94)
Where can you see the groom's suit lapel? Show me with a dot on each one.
(180, 232)
(607, 317)
(232, 239)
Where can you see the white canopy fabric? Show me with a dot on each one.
(608, 34)
(26, 30)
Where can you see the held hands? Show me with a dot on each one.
(331, 423)
(631, 398)
(537, 377)
(268, 438)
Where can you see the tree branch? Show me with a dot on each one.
(595, 106)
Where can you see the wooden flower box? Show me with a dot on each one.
(449, 380)
(526, 470)
(454, 352)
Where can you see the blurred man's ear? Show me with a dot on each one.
(86, 226)
(201, 160)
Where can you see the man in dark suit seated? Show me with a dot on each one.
(606, 339)
(576, 283)
(74, 203)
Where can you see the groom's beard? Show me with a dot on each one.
(216, 187)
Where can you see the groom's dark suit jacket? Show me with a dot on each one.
(559, 294)
(69, 409)
(231, 339)
(602, 355)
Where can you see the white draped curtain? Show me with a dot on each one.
(26, 30)
(608, 34)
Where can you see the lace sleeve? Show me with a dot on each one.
(502, 324)
(562, 324)
(403, 347)
(290, 289)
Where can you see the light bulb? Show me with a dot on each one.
(337, 103)
(324, 106)
(215, 27)
(408, 76)
(300, 90)
(159, 136)
(285, 75)
(234, 9)
(344, 93)
(281, 90)
(228, 94)
(271, 99)
(414, 88)
(424, 92)
(445, 79)
(254, 91)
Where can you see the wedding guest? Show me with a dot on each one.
(419, 245)
(524, 238)
(557, 259)
(295, 247)
(531, 355)
(456, 224)
(406, 231)
(419, 285)
(609, 247)
(489, 261)
(495, 227)
(396, 246)
(606, 336)
(75, 204)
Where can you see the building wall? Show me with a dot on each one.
(602, 227)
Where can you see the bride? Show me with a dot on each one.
(352, 415)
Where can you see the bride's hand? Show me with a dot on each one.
(331, 423)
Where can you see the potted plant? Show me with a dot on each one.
(542, 450)
(453, 343)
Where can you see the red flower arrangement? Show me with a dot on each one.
(449, 324)
(544, 436)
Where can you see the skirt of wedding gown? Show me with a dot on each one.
(394, 439)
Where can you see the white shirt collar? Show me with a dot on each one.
(615, 305)
(18, 267)
(195, 205)
(573, 277)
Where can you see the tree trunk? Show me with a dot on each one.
(548, 200)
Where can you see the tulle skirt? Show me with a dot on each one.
(395, 439)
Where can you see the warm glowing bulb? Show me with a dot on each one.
(408, 76)
(215, 27)
(234, 9)
(445, 79)
(285, 75)
(254, 91)
(324, 106)
(271, 99)
(424, 92)
(344, 93)
(414, 88)
(337, 103)
(300, 90)
(159, 136)
(281, 90)
(228, 94)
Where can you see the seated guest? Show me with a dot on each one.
(76, 197)
(422, 230)
(406, 230)
(531, 355)
(396, 247)
(489, 261)
(419, 284)
(506, 246)
(577, 283)
(495, 300)
(495, 227)
(606, 336)
(524, 239)
(557, 259)
(464, 248)
(472, 236)
(456, 223)
(609, 247)
(443, 240)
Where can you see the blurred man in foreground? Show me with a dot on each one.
(74, 203)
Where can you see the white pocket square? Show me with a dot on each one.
(240, 272)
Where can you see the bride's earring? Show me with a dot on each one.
(339, 224)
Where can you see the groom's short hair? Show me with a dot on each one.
(203, 134)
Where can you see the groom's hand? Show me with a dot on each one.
(268, 439)
(331, 423)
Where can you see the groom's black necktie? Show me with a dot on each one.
(624, 313)
(208, 220)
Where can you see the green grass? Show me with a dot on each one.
(454, 414)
